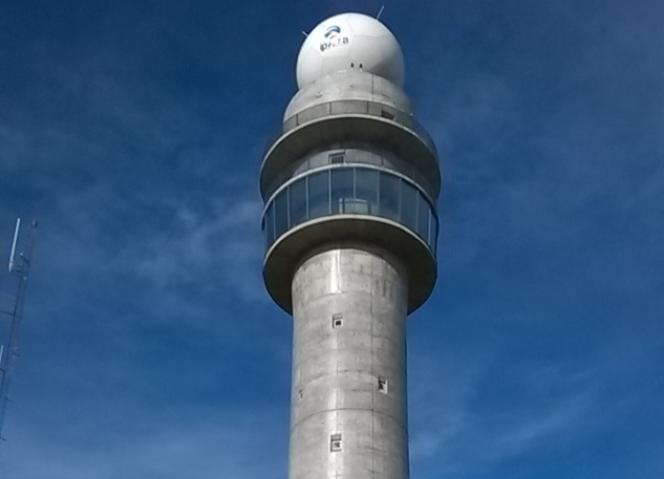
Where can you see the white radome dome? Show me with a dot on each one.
(350, 41)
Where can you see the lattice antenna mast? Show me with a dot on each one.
(19, 267)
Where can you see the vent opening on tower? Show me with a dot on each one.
(382, 385)
(337, 320)
(336, 158)
(335, 443)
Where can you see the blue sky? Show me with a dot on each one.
(134, 132)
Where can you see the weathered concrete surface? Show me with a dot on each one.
(349, 378)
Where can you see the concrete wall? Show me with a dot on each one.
(337, 368)
(349, 85)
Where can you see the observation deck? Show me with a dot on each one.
(350, 166)
(349, 120)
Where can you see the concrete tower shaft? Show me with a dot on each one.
(349, 358)
(350, 184)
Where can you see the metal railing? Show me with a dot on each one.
(351, 107)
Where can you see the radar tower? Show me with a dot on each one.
(350, 185)
(19, 270)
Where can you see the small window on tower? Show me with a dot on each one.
(337, 320)
(335, 443)
(336, 158)
(382, 385)
(386, 114)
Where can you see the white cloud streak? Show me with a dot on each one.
(236, 445)
(455, 434)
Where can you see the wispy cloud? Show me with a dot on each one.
(223, 247)
(201, 447)
(457, 431)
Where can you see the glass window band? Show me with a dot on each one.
(342, 189)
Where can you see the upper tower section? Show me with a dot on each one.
(350, 41)
(350, 165)
(350, 72)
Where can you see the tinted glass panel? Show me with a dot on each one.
(433, 233)
(366, 191)
(298, 202)
(408, 205)
(342, 189)
(280, 213)
(351, 191)
(319, 199)
(423, 218)
(389, 196)
(269, 225)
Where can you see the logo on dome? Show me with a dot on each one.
(333, 38)
(332, 31)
